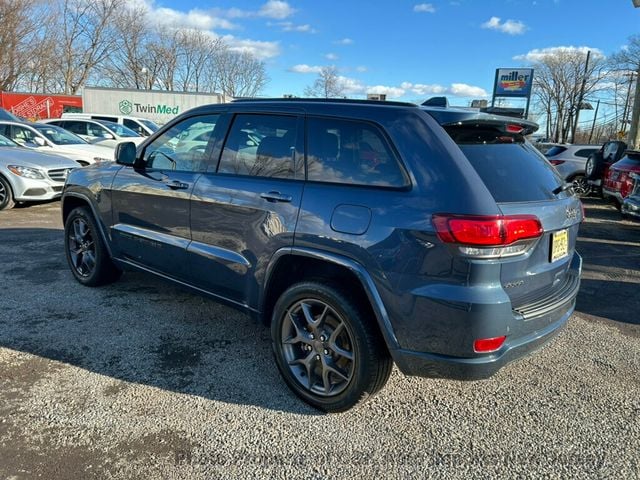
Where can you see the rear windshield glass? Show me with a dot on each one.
(512, 169)
(554, 151)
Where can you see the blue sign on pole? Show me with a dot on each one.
(513, 82)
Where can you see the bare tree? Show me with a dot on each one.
(557, 85)
(327, 85)
(199, 50)
(128, 66)
(629, 59)
(18, 40)
(240, 74)
(86, 39)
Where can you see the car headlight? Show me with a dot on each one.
(102, 160)
(26, 172)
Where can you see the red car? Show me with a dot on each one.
(618, 182)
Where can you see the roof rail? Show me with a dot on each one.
(326, 100)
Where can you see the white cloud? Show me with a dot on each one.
(464, 90)
(352, 86)
(195, 18)
(344, 41)
(291, 27)
(361, 68)
(422, 89)
(276, 9)
(511, 27)
(331, 56)
(391, 92)
(455, 89)
(424, 7)
(304, 68)
(538, 54)
(259, 49)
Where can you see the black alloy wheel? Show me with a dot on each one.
(87, 255)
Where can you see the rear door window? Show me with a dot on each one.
(350, 152)
(585, 152)
(261, 146)
(512, 169)
(553, 151)
(76, 126)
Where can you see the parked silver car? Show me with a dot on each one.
(27, 175)
(570, 161)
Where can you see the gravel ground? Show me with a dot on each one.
(144, 380)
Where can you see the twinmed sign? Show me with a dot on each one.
(513, 82)
(128, 107)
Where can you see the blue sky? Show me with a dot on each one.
(410, 50)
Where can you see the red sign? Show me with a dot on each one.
(36, 106)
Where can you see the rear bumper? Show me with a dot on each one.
(535, 332)
(441, 366)
(613, 194)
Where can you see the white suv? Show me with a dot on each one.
(97, 132)
(142, 126)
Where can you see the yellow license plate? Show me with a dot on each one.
(559, 245)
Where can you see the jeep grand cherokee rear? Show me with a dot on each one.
(363, 233)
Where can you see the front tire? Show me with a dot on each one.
(327, 350)
(580, 185)
(6, 195)
(87, 254)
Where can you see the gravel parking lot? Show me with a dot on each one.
(142, 379)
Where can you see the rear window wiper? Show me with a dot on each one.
(562, 188)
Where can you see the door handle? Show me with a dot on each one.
(276, 197)
(176, 185)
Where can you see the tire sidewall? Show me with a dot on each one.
(94, 278)
(8, 202)
(352, 320)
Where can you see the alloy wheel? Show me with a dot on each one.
(580, 186)
(318, 347)
(82, 248)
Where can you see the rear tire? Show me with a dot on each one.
(87, 254)
(329, 353)
(6, 195)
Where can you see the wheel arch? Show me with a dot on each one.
(12, 192)
(291, 265)
(4, 177)
(72, 200)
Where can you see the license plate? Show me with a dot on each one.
(559, 245)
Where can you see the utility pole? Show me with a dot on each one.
(633, 140)
(580, 97)
(625, 111)
(593, 125)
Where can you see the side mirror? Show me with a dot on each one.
(126, 154)
(39, 141)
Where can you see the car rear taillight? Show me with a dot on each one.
(626, 184)
(556, 162)
(488, 345)
(488, 236)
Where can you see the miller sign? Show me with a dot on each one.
(513, 82)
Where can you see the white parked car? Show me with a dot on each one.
(142, 126)
(53, 139)
(28, 175)
(97, 132)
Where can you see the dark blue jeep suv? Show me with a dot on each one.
(363, 233)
